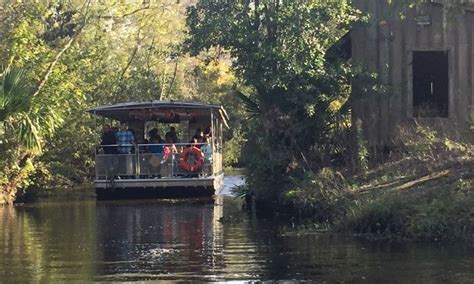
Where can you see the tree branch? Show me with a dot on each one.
(130, 60)
(51, 66)
(129, 63)
(174, 78)
(55, 61)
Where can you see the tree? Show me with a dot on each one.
(278, 49)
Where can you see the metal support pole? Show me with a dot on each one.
(137, 160)
(213, 133)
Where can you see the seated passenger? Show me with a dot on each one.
(194, 143)
(141, 144)
(207, 132)
(154, 134)
(198, 135)
(172, 134)
(154, 148)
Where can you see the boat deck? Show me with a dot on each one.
(159, 187)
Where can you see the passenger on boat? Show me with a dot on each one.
(172, 134)
(198, 135)
(169, 148)
(125, 139)
(154, 134)
(154, 148)
(194, 143)
(207, 132)
(206, 150)
(142, 145)
(108, 139)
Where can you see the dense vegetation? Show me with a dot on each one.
(299, 146)
(270, 63)
(296, 100)
(58, 58)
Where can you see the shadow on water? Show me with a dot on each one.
(57, 241)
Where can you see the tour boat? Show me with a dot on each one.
(144, 168)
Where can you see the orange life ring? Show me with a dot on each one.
(183, 159)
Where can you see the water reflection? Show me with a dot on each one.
(156, 240)
(85, 240)
(47, 242)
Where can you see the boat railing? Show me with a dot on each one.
(146, 161)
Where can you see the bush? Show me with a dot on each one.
(232, 150)
(386, 217)
(323, 196)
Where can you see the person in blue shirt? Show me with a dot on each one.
(206, 150)
(125, 139)
(155, 138)
(153, 148)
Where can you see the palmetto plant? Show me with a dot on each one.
(15, 94)
(15, 109)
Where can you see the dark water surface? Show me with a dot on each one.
(88, 240)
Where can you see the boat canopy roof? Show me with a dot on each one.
(162, 111)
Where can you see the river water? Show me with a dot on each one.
(203, 240)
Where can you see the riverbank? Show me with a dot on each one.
(423, 191)
(432, 205)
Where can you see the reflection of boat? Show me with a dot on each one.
(159, 240)
(141, 172)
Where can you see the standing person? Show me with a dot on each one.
(206, 150)
(125, 139)
(172, 134)
(169, 148)
(108, 139)
(169, 152)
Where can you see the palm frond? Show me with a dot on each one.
(28, 133)
(251, 106)
(346, 108)
(15, 95)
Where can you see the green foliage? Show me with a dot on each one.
(294, 98)
(430, 188)
(15, 94)
(324, 196)
(383, 217)
(232, 150)
(76, 55)
(446, 217)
